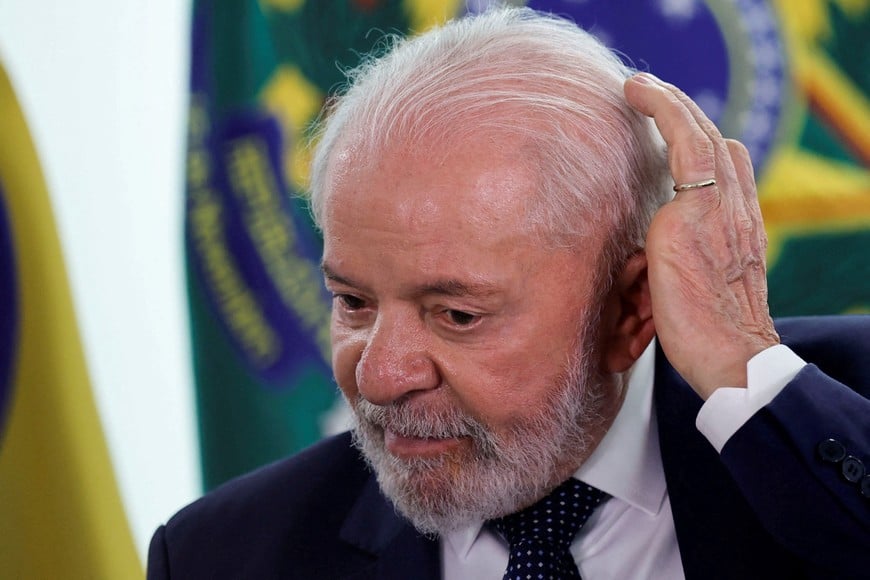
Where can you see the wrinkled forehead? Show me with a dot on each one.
(484, 180)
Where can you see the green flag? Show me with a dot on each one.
(815, 193)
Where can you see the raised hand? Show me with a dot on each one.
(705, 249)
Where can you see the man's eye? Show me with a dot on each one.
(460, 318)
(350, 302)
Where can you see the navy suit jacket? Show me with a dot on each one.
(770, 506)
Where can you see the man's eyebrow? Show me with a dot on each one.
(456, 288)
(447, 287)
(330, 274)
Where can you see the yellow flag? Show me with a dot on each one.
(60, 511)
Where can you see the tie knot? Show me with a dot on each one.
(555, 519)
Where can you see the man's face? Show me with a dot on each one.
(458, 339)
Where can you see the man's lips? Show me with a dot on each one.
(417, 447)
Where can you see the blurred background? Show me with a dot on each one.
(163, 326)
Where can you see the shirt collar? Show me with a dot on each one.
(626, 464)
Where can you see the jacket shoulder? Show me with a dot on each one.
(269, 519)
(838, 345)
(818, 330)
(327, 469)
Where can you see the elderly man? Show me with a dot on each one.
(529, 329)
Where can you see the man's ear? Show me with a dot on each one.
(627, 324)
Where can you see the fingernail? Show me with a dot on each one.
(644, 78)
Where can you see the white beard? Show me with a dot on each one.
(502, 472)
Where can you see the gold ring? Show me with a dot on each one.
(696, 185)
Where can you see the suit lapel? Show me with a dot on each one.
(718, 534)
(398, 550)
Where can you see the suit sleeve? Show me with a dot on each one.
(811, 499)
(158, 559)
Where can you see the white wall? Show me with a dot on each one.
(103, 86)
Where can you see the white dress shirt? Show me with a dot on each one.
(632, 534)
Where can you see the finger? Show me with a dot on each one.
(746, 175)
(691, 152)
(743, 168)
(733, 164)
(696, 152)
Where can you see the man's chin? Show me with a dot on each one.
(440, 492)
(425, 497)
(421, 478)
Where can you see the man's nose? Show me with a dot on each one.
(395, 361)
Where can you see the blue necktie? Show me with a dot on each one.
(540, 535)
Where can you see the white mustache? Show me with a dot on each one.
(408, 420)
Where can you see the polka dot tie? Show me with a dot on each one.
(540, 535)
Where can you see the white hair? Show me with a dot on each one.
(515, 74)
